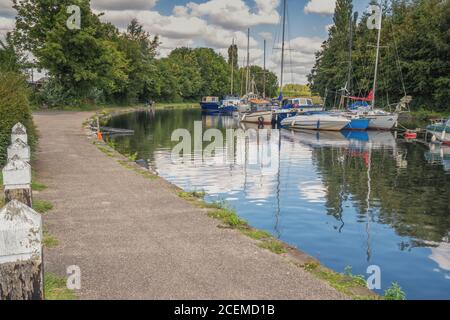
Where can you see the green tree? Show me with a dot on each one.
(85, 63)
(331, 68)
(140, 51)
(10, 58)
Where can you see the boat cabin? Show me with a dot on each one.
(260, 105)
(210, 100)
(298, 103)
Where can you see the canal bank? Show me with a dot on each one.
(134, 237)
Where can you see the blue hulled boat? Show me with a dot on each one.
(210, 105)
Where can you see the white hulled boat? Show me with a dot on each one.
(321, 122)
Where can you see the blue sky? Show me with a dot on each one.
(215, 23)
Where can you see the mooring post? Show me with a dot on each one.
(21, 264)
(17, 181)
(20, 149)
(19, 132)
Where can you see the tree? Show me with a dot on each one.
(86, 63)
(330, 70)
(414, 57)
(140, 51)
(10, 58)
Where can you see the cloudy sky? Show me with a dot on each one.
(214, 23)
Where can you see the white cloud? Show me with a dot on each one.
(6, 9)
(233, 14)
(123, 5)
(6, 25)
(211, 23)
(325, 7)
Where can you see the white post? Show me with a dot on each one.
(17, 181)
(19, 132)
(21, 264)
(19, 149)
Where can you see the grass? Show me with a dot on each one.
(42, 206)
(395, 292)
(231, 220)
(351, 285)
(55, 288)
(49, 240)
(274, 246)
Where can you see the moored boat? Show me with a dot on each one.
(440, 131)
(260, 112)
(210, 104)
(229, 105)
(325, 122)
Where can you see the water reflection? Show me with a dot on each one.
(351, 198)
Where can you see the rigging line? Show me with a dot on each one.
(398, 59)
(291, 64)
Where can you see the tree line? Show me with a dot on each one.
(414, 59)
(100, 64)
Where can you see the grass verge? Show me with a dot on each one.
(230, 220)
(55, 288)
(42, 206)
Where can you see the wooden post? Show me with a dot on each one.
(21, 264)
(19, 149)
(17, 181)
(19, 132)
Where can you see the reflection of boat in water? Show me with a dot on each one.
(316, 122)
(439, 154)
(353, 139)
(317, 138)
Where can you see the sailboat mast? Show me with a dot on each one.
(378, 57)
(264, 80)
(283, 45)
(232, 68)
(350, 51)
(247, 82)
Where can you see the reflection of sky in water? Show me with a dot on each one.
(290, 198)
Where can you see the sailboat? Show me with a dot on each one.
(379, 119)
(257, 110)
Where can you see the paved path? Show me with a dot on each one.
(135, 239)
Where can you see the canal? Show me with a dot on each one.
(348, 199)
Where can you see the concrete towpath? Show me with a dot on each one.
(134, 238)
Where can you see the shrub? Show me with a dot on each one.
(14, 107)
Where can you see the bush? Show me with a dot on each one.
(14, 107)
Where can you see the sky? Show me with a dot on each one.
(215, 23)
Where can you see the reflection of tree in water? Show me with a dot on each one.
(414, 200)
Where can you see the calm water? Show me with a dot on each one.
(355, 199)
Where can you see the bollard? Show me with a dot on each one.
(21, 264)
(19, 149)
(19, 132)
(17, 181)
